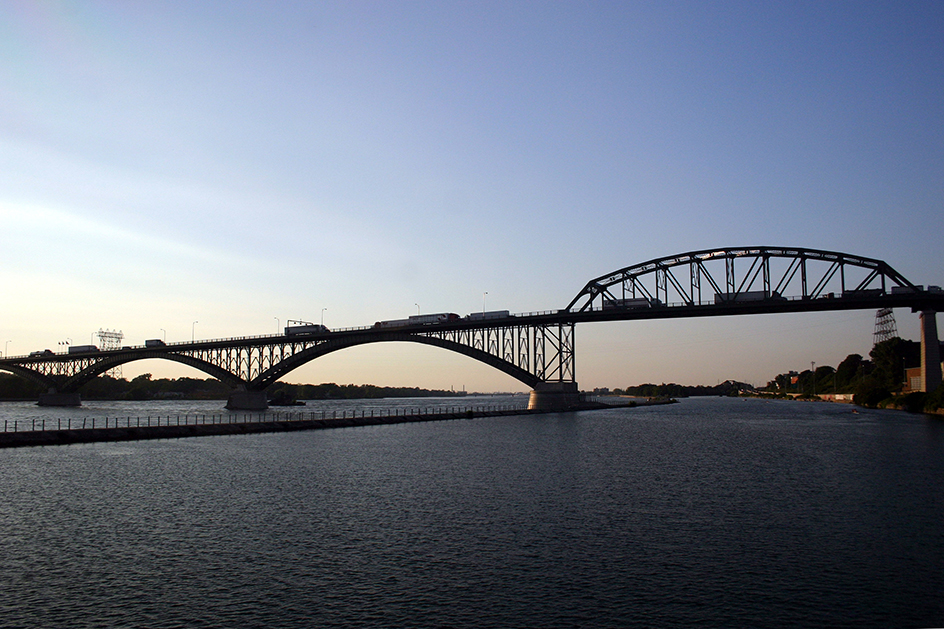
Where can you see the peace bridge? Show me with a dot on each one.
(538, 348)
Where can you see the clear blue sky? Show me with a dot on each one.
(239, 164)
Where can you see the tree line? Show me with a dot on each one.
(145, 387)
(876, 381)
(728, 388)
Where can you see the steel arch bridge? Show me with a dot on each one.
(538, 348)
(533, 353)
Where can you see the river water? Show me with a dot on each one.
(712, 512)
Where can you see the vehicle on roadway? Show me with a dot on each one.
(746, 296)
(491, 314)
(305, 328)
(428, 319)
(629, 303)
(82, 349)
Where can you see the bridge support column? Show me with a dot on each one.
(930, 352)
(241, 400)
(554, 396)
(53, 398)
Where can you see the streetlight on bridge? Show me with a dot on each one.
(6, 348)
(192, 325)
(322, 316)
(165, 333)
(278, 325)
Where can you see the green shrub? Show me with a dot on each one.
(935, 400)
(913, 402)
(870, 393)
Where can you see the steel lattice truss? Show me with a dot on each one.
(531, 353)
(546, 352)
(885, 327)
(713, 275)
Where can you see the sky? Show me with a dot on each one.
(209, 169)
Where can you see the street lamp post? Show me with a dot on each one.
(278, 325)
(6, 348)
(165, 334)
(417, 308)
(192, 325)
(322, 316)
(483, 302)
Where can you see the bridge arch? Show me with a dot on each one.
(287, 365)
(50, 384)
(100, 367)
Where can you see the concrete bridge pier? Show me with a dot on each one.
(243, 400)
(554, 396)
(930, 352)
(54, 398)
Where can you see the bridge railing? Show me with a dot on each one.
(197, 419)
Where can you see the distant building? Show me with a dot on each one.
(794, 377)
(912, 380)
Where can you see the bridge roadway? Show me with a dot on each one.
(538, 348)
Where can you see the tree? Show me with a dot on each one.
(870, 392)
(15, 387)
(847, 370)
(890, 358)
(824, 379)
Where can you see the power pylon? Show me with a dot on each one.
(885, 327)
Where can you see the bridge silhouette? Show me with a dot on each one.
(538, 348)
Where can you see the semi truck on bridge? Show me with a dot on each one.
(305, 328)
(443, 317)
(82, 349)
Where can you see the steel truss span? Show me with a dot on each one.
(739, 275)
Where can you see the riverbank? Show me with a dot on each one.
(916, 403)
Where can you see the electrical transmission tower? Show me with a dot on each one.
(885, 327)
(111, 339)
